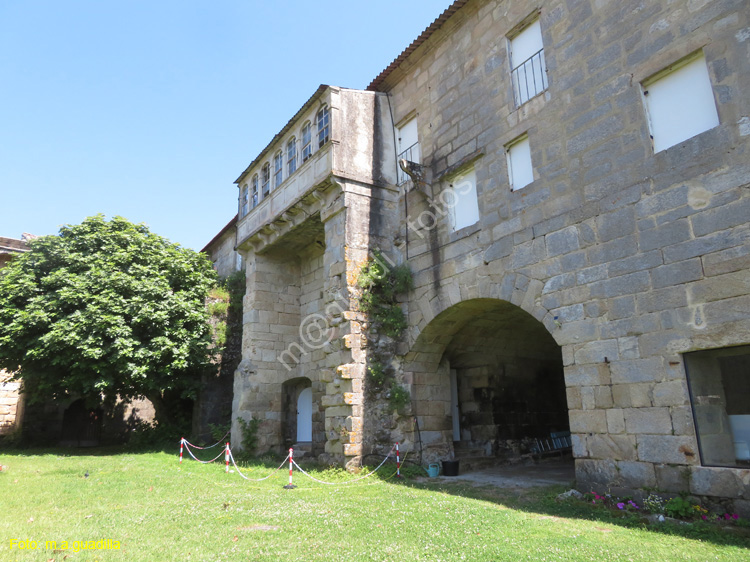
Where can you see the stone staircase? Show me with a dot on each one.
(302, 450)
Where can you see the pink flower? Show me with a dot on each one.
(704, 517)
(735, 516)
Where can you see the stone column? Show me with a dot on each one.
(346, 223)
(269, 346)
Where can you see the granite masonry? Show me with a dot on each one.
(11, 402)
(577, 232)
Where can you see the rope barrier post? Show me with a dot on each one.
(226, 457)
(290, 486)
(182, 444)
(398, 462)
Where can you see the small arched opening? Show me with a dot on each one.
(297, 404)
(81, 425)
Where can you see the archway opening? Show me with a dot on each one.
(81, 425)
(489, 386)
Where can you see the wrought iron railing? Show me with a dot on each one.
(529, 78)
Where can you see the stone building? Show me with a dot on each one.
(573, 204)
(213, 405)
(220, 250)
(11, 403)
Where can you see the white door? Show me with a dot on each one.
(454, 406)
(304, 415)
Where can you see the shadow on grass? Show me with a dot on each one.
(98, 451)
(542, 500)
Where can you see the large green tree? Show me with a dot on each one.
(106, 308)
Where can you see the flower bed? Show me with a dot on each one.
(678, 508)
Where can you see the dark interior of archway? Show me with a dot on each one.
(509, 369)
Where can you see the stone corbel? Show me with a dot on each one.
(419, 176)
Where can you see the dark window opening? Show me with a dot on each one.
(719, 382)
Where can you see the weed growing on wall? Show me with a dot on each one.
(382, 283)
(249, 436)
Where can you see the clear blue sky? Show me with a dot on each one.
(150, 109)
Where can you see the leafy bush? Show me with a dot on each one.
(219, 430)
(249, 439)
(680, 508)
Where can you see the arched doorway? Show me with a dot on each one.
(297, 403)
(487, 382)
(81, 425)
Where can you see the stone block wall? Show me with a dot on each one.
(627, 257)
(11, 404)
(612, 263)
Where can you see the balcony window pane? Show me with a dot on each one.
(323, 126)
(291, 156)
(306, 141)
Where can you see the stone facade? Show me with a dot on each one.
(569, 303)
(220, 250)
(11, 403)
(303, 246)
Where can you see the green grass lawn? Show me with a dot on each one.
(161, 511)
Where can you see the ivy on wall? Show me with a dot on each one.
(381, 286)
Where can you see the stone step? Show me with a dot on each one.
(302, 449)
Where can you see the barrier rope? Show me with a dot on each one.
(227, 452)
(231, 456)
(348, 481)
(220, 442)
(200, 461)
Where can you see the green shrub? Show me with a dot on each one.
(218, 308)
(249, 439)
(380, 286)
(680, 508)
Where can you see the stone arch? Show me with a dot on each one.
(292, 392)
(514, 288)
(508, 379)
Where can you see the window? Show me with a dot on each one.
(719, 382)
(266, 175)
(529, 71)
(306, 141)
(278, 168)
(520, 170)
(323, 129)
(291, 156)
(461, 198)
(255, 190)
(680, 103)
(243, 201)
(238, 262)
(408, 147)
